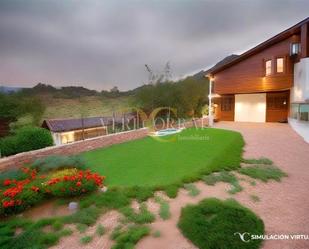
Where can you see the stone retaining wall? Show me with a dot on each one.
(20, 159)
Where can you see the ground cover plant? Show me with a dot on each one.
(224, 176)
(212, 223)
(192, 189)
(263, 172)
(149, 162)
(164, 210)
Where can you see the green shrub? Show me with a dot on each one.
(15, 174)
(213, 223)
(56, 162)
(26, 139)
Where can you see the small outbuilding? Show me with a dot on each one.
(71, 130)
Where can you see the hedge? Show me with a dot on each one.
(25, 139)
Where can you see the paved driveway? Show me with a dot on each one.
(284, 207)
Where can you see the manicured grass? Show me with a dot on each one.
(213, 223)
(178, 158)
(263, 172)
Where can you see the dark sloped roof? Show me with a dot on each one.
(275, 39)
(221, 63)
(61, 125)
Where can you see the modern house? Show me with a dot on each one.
(71, 130)
(268, 83)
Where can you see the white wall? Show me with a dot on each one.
(301, 127)
(250, 107)
(300, 91)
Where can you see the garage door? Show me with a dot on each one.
(250, 107)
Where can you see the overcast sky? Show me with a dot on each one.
(102, 43)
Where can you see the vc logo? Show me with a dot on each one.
(245, 237)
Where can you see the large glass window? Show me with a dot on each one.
(268, 67)
(300, 111)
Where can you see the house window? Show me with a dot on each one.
(280, 63)
(295, 49)
(227, 104)
(268, 67)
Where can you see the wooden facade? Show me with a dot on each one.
(248, 76)
(249, 73)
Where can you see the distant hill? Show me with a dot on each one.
(9, 89)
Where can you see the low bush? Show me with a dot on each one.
(25, 139)
(58, 162)
(213, 223)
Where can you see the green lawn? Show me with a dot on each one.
(149, 162)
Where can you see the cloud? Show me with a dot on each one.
(99, 44)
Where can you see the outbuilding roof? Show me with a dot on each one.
(62, 125)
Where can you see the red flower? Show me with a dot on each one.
(7, 204)
(35, 189)
(78, 184)
(7, 182)
(18, 202)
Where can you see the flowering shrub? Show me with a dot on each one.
(17, 195)
(75, 184)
